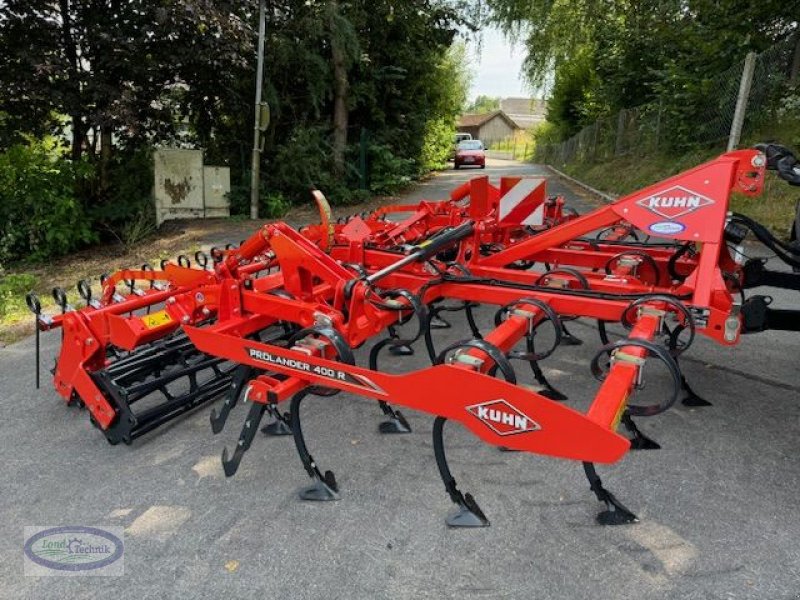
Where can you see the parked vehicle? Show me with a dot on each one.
(457, 139)
(470, 153)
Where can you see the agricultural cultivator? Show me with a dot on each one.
(278, 317)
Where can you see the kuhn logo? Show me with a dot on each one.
(502, 418)
(674, 202)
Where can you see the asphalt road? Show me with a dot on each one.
(719, 516)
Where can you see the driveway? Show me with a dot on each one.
(718, 504)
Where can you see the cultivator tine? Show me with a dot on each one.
(473, 326)
(692, 398)
(324, 487)
(549, 391)
(60, 296)
(438, 322)
(85, 292)
(241, 376)
(568, 338)
(281, 424)
(231, 465)
(468, 514)
(639, 441)
(201, 258)
(615, 513)
(397, 422)
(401, 350)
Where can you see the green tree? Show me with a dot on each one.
(119, 70)
(607, 55)
(483, 104)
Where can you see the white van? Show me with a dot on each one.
(457, 139)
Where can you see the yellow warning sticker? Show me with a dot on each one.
(621, 410)
(156, 319)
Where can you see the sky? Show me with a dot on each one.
(497, 67)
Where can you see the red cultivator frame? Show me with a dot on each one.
(278, 317)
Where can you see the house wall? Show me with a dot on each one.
(473, 131)
(494, 130)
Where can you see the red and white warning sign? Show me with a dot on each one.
(523, 204)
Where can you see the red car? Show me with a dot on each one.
(470, 153)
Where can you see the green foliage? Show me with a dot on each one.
(483, 104)
(182, 72)
(40, 215)
(127, 211)
(571, 105)
(388, 172)
(437, 145)
(619, 54)
(116, 67)
(272, 204)
(13, 288)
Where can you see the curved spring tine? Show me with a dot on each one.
(616, 513)
(397, 422)
(216, 254)
(469, 514)
(237, 390)
(201, 258)
(85, 290)
(549, 391)
(184, 261)
(324, 487)
(231, 465)
(131, 283)
(147, 267)
(60, 296)
(33, 302)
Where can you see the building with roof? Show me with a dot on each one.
(488, 127)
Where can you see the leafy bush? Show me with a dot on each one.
(12, 290)
(388, 172)
(437, 145)
(301, 163)
(127, 209)
(272, 204)
(40, 216)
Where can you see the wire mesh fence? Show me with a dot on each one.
(651, 127)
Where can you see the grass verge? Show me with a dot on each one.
(775, 208)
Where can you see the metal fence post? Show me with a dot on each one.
(620, 132)
(362, 160)
(794, 70)
(741, 100)
(658, 125)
